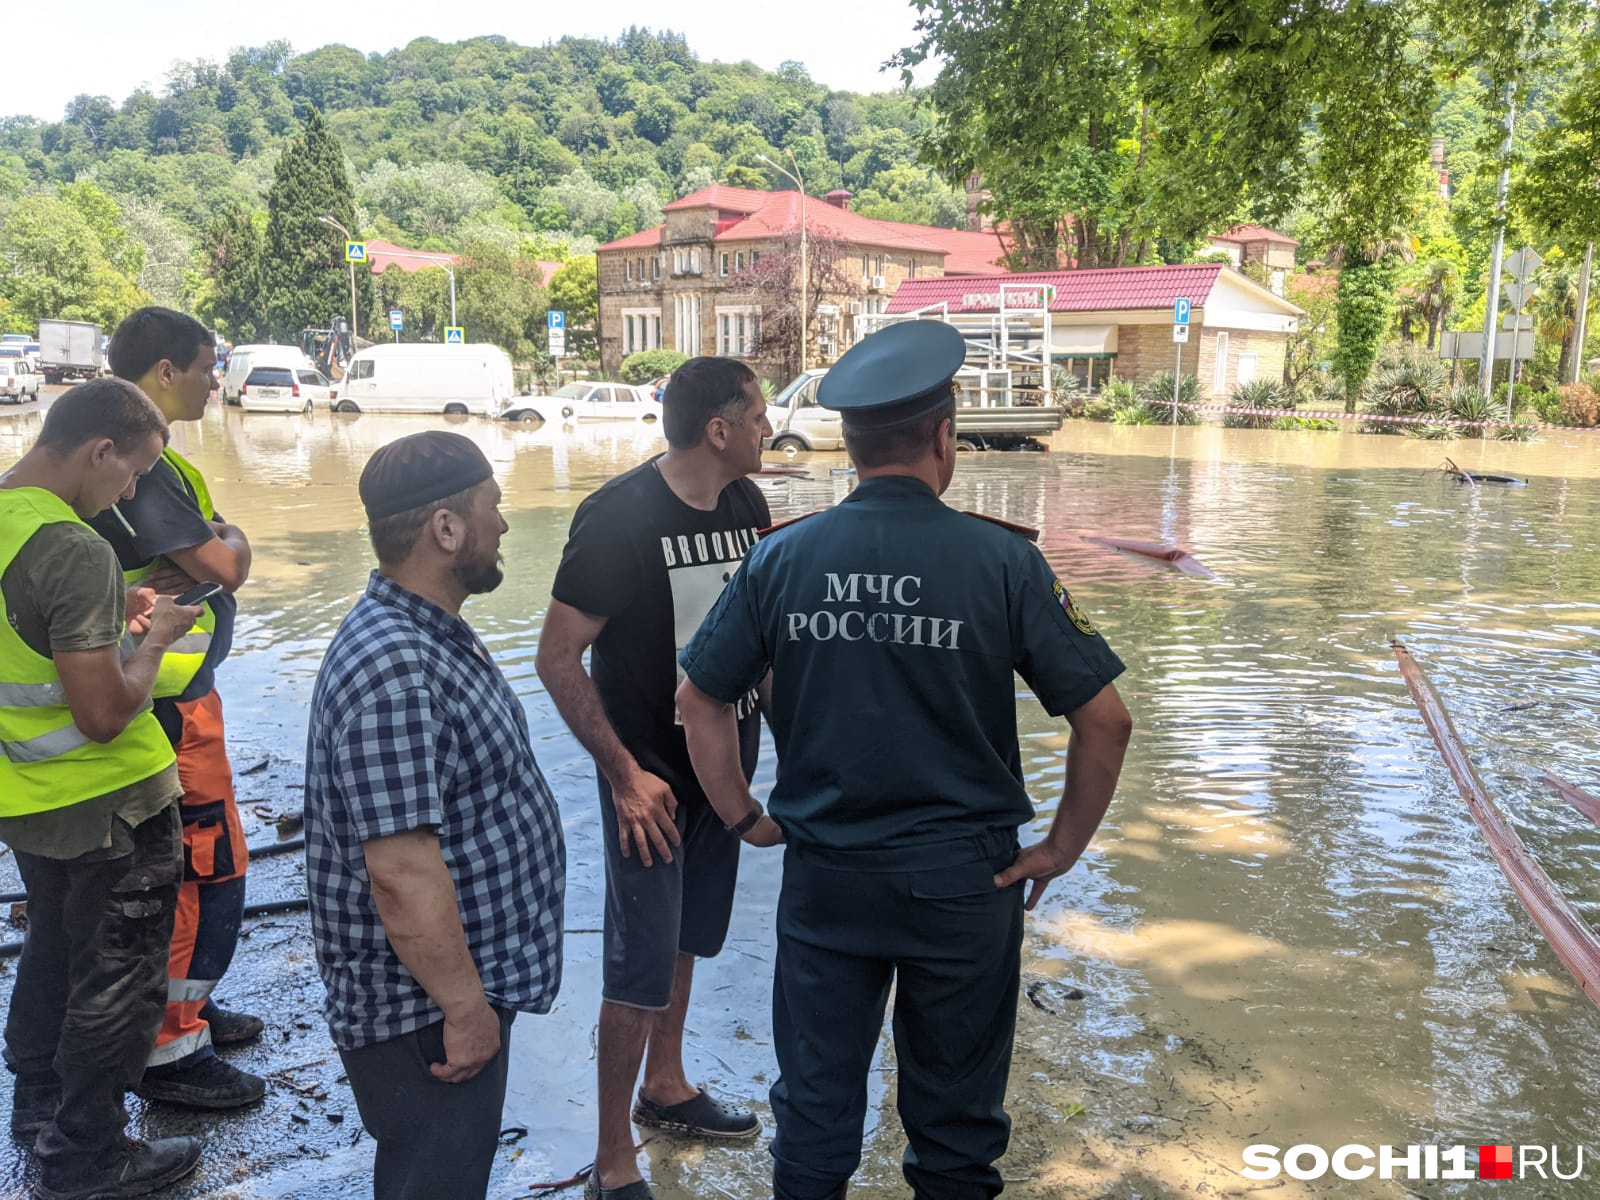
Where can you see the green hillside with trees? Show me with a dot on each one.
(1109, 133)
(506, 154)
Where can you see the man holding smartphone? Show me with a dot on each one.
(170, 537)
(87, 784)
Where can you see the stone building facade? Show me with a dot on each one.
(673, 286)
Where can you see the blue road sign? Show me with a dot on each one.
(556, 318)
(454, 335)
(397, 319)
(1180, 311)
(355, 252)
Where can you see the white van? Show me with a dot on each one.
(425, 377)
(244, 358)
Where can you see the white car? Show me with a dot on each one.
(284, 389)
(19, 382)
(584, 402)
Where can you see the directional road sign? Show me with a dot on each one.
(1180, 313)
(397, 319)
(556, 319)
(454, 335)
(355, 252)
(1524, 263)
(1180, 333)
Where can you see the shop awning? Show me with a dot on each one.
(1083, 339)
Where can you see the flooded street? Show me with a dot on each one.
(1288, 931)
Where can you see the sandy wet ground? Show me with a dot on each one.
(1288, 930)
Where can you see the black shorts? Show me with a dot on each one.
(655, 913)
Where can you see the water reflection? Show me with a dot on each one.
(1289, 930)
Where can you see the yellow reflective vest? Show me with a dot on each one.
(46, 761)
(184, 658)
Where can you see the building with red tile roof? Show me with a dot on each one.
(382, 255)
(1268, 249)
(676, 285)
(1119, 320)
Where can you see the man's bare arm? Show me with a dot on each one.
(416, 900)
(224, 559)
(1100, 732)
(645, 804)
(712, 730)
(104, 693)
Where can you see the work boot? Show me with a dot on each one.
(130, 1168)
(33, 1106)
(231, 1028)
(207, 1083)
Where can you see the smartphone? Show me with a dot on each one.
(198, 594)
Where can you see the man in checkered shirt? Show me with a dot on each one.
(435, 862)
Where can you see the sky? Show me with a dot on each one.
(110, 47)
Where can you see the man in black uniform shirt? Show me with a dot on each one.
(646, 558)
(892, 627)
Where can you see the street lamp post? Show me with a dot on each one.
(805, 279)
(438, 261)
(352, 266)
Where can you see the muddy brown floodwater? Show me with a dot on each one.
(1288, 930)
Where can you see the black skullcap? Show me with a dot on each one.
(894, 376)
(419, 469)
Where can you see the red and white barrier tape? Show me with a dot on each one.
(1341, 415)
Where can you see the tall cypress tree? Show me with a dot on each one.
(304, 279)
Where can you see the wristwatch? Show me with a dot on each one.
(748, 822)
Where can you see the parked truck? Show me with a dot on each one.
(988, 416)
(69, 350)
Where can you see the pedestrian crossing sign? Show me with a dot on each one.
(355, 252)
(454, 335)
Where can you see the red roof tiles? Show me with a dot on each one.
(744, 215)
(722, 198)
(382, 255)
(1254, 233)
(645, 239)
(1112, 289)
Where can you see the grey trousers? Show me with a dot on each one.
(434, 1139)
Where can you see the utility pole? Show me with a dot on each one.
(1581, 332)
(1491, 314)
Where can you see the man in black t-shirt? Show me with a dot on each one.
(646, 558)
(169, 537)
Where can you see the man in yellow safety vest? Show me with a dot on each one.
(87, 784)
(170, 537)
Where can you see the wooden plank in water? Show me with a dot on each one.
(1569, 935)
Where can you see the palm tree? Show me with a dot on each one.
(1441, 286)
(1555, 310)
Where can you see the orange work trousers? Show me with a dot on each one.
(211, 897)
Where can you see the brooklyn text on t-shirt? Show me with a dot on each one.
(886, 621)
(696, 549)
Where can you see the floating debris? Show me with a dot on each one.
(1581, 800)
(1051, 995)
(1461, 475)
(1569, 935)
(1176, 556)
